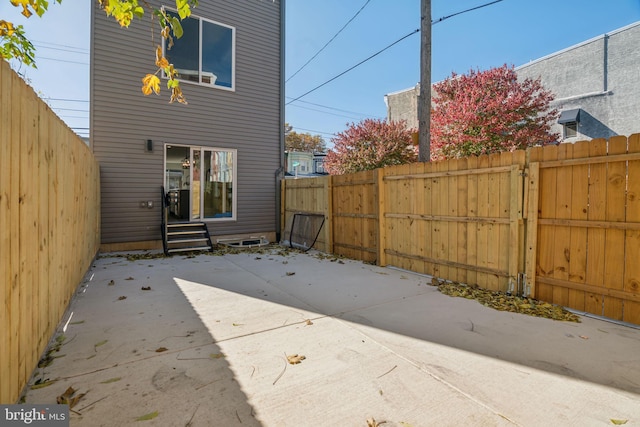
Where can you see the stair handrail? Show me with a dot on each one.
(164, 217)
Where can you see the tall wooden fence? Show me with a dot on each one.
(49, 226)
(560, 223)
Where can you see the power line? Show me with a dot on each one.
(60, 45)
(392, 44)
(464, 11)
(327, 112)
(62, 50)
(62, 60)
(334, 108)
(357, 65)
(327, 44)
(316, 131)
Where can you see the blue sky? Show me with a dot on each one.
(511, 32)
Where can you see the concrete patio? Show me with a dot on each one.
(205, 344)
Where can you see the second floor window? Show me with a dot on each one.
(205, 54)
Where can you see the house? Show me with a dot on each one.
(594, 82)
(303, 163)
(219, 159)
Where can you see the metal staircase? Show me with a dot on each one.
(183, 236)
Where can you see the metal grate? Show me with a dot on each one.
(304, 231)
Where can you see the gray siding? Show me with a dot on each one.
(248, 119)
(403, 105)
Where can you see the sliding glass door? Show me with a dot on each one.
(202, 183)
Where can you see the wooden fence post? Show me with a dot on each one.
(532, 182)
(328, 188)
(515, 223)
(382, 226)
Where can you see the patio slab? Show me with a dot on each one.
(206, 345)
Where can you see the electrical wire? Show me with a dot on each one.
(444, 18)
(357, 65)
(334, 108)
(392, 44)
(316, 131)
(327, 44)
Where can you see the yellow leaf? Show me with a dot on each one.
(161, 61)
(150, 83)
(618, 422)
(294, 359)
(25, 6)
(148, 416)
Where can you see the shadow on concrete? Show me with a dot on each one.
(138, 349)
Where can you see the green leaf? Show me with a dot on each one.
(618, 422)
(103, 342)
(177, 27)
(111, 380)
(148, 416)
(138, 12)
(47, 384)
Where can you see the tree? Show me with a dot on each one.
(371, 144)
(485, 112)
(15, 44)
(294, 141)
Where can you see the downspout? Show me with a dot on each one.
(278, 173)
(605, 65)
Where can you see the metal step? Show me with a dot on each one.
(187, 237)
(203, 239)
(190, 249)
(185, 224)
(182, 233)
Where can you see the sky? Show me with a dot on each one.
(511, 32)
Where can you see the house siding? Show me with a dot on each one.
(247, 119)
(598, 76)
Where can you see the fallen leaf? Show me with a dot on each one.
(584, 337)
(161, 349)
(111, 380)
(103, 342)
(618, 422)
(111, 283)
(237, 324)
(504, 302)
(77, 323)
(294, 359)
(290, 273)
(42, 384)
(308, 322)
(371, 422)
(148, 416)
(68, 398)
(146, 288)
(121, 298)
(129, 278)
(216, 355)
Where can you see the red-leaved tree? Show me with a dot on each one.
(490, 111)
(370, 144)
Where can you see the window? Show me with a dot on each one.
(570, 129)
(569, 120)
(205, 54)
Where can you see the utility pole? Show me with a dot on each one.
(424, 98)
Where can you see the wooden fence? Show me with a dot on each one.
(560, 223)
(49, 226)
